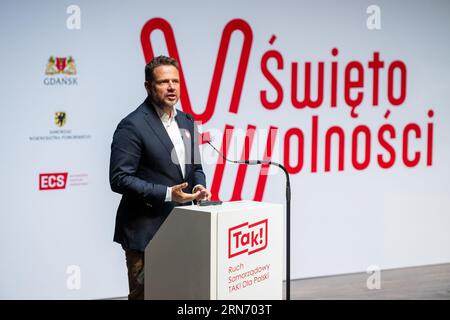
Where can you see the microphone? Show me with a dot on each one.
(189, 116)
(288, 202)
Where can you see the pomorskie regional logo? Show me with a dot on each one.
(61, 71)
(57, 132)
(60, 118)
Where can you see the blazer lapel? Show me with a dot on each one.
(151, 116)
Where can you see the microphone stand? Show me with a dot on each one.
(288, 211)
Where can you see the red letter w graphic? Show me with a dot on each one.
(232, 26)
(205, 116)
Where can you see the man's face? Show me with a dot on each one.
(165, 88)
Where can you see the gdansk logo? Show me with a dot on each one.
(61, 71)
(60, 65)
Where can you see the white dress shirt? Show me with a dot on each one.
(174, 133)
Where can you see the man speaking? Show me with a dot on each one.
(155, 164)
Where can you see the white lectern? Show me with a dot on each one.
(228, 251)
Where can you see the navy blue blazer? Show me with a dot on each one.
(141, 169)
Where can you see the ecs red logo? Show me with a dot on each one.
(52, 181)
(247, 238)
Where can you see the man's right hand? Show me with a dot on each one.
(181, 197)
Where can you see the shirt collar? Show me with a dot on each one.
(164, 116)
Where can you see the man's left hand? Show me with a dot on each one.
(205, 194)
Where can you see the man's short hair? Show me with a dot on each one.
(156, 62)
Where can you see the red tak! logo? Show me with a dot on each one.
(52, 181)
(247, 238)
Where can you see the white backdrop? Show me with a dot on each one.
(58, 243)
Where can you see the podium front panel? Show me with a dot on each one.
(250, 251)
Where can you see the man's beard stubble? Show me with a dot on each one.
(160, 103)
